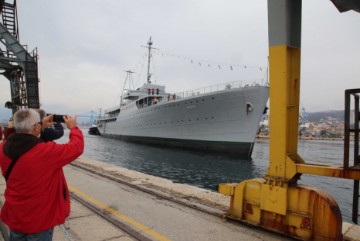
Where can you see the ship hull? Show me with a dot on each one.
(224, 121)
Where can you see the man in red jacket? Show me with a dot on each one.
(36, 195)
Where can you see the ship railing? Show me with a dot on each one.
(219, 87)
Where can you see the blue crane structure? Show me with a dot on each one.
(92, 116)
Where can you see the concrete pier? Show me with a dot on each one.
(153, 218)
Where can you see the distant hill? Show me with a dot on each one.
(317, 116)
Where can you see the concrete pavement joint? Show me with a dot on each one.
(125, 223)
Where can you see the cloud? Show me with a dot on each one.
(86, 45)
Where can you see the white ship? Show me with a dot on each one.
(223, 118)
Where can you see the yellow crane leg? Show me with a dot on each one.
(276, 202)
(303, 212)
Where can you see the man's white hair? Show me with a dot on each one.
(25, 119)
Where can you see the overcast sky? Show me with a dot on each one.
(85, 46)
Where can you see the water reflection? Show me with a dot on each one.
(196, 168)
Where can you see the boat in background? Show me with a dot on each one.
(222, 118)
(93, 130)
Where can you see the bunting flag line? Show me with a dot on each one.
(209, 63)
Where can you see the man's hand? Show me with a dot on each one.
(48, 121)
(70, 121)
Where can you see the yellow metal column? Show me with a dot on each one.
(284, 97)
(284, 49)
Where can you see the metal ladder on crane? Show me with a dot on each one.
(352, 118)
(9, 18)
(24, 76)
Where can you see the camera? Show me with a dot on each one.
(58, 118)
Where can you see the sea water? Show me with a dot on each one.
(208, 170)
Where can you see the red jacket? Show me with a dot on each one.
(36, 195)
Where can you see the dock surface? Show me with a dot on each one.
(145, 207)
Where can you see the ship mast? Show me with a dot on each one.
(149, 57)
